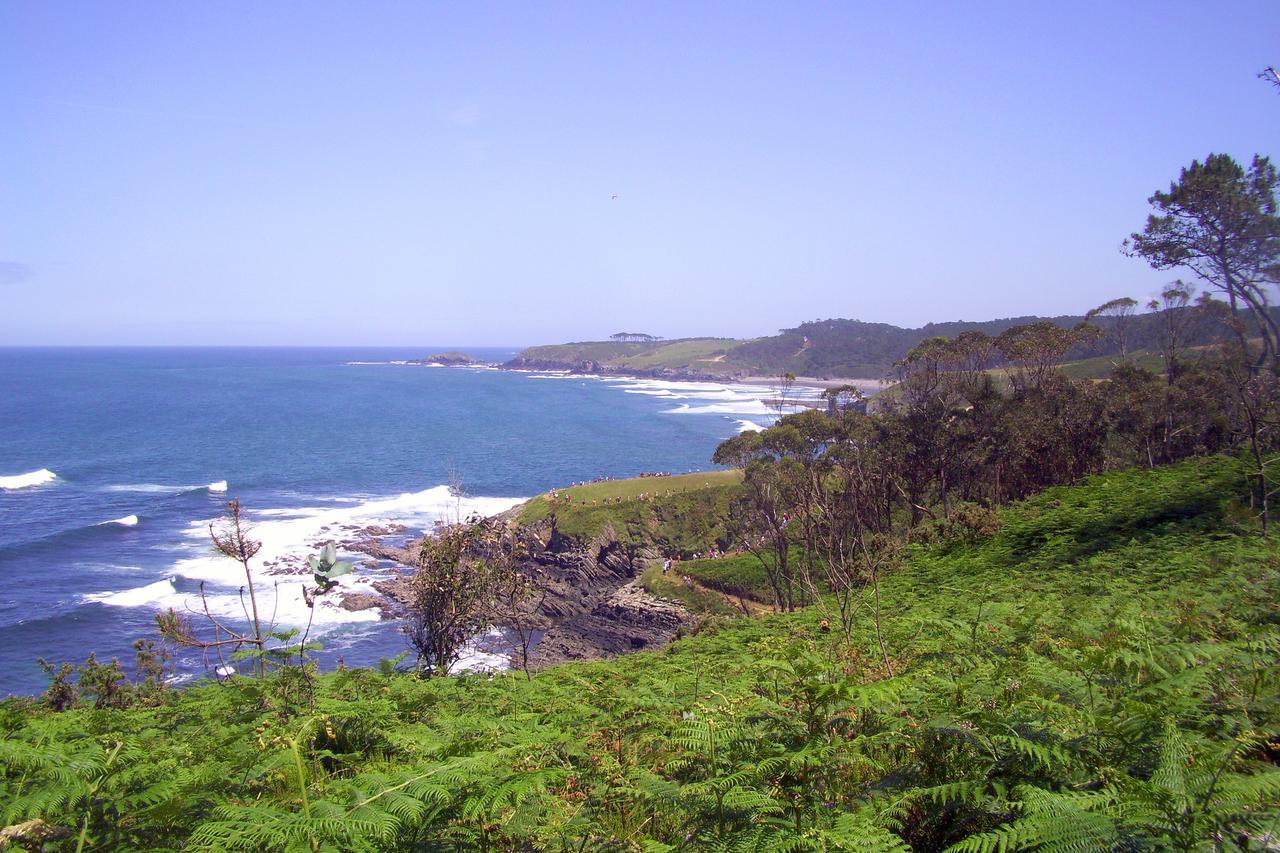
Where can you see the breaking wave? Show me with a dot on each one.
(152, 593)
(27, 480)
(288, 535)
(165, 489)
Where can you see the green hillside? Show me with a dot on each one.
(1101, 673)
(836, 349)
(706, 355)
(679, 514)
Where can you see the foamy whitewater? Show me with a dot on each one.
(116, 461)
(26, 481)
(290, 534)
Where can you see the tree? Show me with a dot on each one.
(231, 539)
(842, 397)
(1120, 314)
(634, 337)
(1175, 319)
(1271, 75)
(519, 594)
(1220, 221)
(783, 401)
(454, 593)
(760, 521)
(1035, 350)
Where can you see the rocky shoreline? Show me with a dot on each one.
(594, 606)
(596, 368)
(671, 374)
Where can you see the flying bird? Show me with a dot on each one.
(614, 196)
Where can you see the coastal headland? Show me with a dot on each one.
(589, 546)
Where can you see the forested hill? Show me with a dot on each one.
(853, 348)
(834, 348)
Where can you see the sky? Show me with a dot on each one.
(323, 173)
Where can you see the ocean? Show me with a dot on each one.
(114, 461)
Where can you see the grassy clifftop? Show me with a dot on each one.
(680, 513)
(700, 355)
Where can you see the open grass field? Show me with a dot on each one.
(589, 494)
(682, 353)
(693, 353)
(678, 515)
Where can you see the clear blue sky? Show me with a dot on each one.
(414, 173)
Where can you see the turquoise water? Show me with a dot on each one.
(144, 447)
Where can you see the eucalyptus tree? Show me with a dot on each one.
(773, 494)
(1176, 316)
(1035, 351)
(1119, 315)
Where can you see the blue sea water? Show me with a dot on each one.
(145, 446)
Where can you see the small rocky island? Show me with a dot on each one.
(452, 358)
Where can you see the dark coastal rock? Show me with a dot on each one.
(448, 359)
(353, 601)
(394, 590)
(403, 555)
(627, 620)
(589, 604)
(596, 368)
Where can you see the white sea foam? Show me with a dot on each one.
(152, 593)
(148, 488)
(735, 407)
(165, 489)
(481, 655)
(703, 397)
(124, 521)
(288, 535)
(749, 426)
(27, 480)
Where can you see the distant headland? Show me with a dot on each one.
(816, 352)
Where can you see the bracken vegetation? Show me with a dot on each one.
(1100, 673)
(1006, 610)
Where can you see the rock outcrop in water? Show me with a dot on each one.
(594, 606)
(448, 359)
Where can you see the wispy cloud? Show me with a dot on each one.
(12, 272)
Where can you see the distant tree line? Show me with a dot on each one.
(634, 337)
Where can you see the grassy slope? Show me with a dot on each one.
(1046, 655)
(739, 575)
(682, 513)
(699, 354)
(1101, 366)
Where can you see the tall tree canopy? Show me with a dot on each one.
(1220, 221)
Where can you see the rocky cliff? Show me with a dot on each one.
(593, 605)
